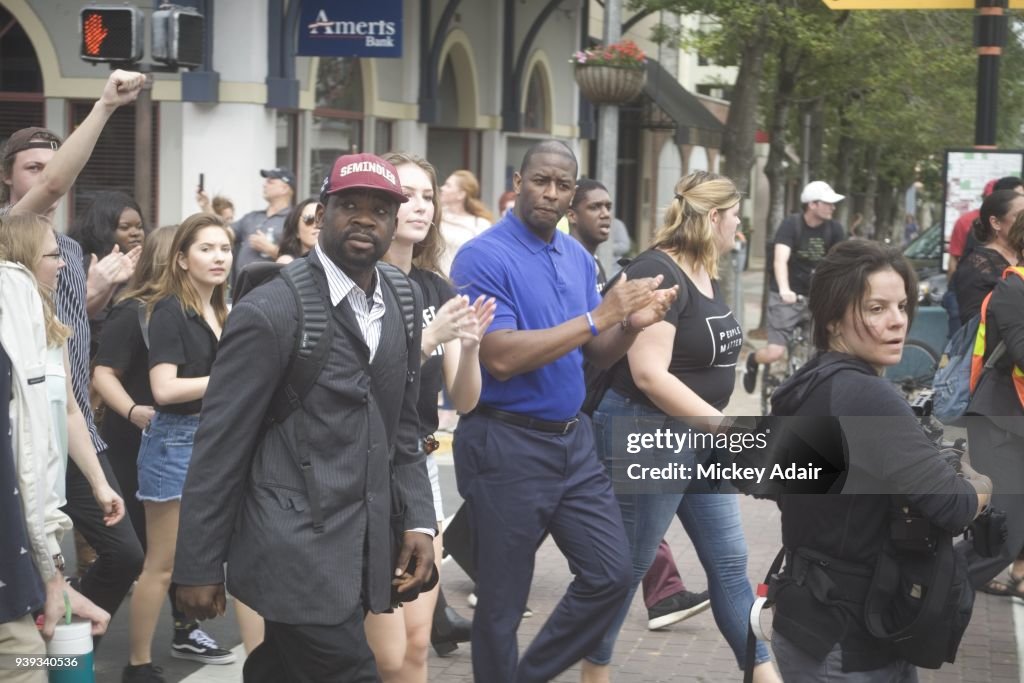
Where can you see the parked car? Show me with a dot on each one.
(925, 253)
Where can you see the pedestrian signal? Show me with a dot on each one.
(178, 36)
(111, 34)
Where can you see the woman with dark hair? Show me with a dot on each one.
(300, 231)
(111, 219)
(112, 222)
(862, 300)
(997, 440)
(980, 269)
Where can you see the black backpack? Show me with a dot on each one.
(315, 331)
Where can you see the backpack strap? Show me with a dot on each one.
(143, 322)
(410, 298)
(312, 341)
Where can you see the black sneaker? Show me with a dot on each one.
(192, 642)
(675, 608)
(142, 673)
(750, 374)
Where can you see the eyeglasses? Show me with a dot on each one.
(55, 256)
(309, 220)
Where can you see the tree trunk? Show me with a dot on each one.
(888, 227)
(774, 169)
(815, 159)
(741, 124)
(738, 148)
(871, 193)
(844, 171)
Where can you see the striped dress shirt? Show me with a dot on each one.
(70, 300)
(369, 311)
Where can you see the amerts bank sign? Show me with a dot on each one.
(350, 28)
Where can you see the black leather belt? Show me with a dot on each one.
(527, 421)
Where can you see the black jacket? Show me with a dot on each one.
(245, 500)
(886, 453)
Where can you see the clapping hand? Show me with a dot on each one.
(115, 268)
(625, 297)
(656, 310)
(475, 325)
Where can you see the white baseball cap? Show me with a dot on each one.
(820, 191)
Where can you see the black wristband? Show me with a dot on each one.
(134, 406)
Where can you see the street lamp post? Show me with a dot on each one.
(608, 114)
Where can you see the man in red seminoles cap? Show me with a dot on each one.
(304, 505)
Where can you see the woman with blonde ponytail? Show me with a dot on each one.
(679, 374)
(29, 239)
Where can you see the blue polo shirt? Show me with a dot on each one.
(537, 286)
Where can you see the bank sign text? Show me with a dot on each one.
(350, 28)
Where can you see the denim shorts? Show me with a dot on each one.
(164, 455)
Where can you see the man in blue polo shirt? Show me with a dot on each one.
(525, 458)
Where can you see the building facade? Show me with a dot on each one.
(476, 84)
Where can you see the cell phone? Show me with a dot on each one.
(202, 178)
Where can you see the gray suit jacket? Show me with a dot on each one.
(245, 501)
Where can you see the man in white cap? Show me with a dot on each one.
(801, 240)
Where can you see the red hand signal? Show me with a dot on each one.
(95, 33)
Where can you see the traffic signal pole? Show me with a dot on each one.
(144, 151)
(989, 40)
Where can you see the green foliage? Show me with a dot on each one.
(900, 82)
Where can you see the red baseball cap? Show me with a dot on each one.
(362, 172)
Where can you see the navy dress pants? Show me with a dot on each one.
(520, 483)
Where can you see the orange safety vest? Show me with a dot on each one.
(978, 357)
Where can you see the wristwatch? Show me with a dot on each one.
(58, 560)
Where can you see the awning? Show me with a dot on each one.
(695, 125)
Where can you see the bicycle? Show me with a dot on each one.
(916, 369)
(798, 352)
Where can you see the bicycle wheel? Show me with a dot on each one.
(916, 368)
(769, 383)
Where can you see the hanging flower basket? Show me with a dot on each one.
(602, 84)
(611, 75)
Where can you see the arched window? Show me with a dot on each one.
(21, 79)
(535, 113)
(338, 115)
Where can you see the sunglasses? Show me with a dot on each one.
(309, 220)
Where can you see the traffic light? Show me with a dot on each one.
(111, 34)
(178, 36)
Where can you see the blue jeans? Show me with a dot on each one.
(712, 521)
